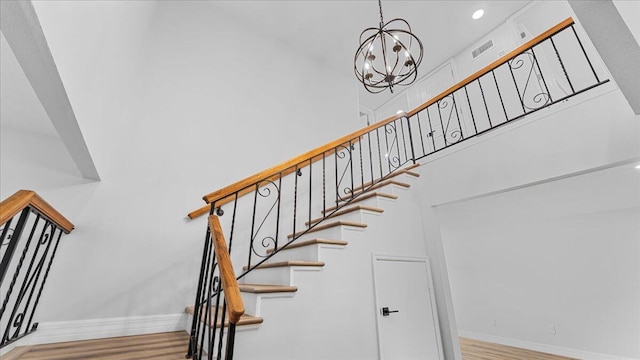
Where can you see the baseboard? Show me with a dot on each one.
(549, 349)
(62, 331)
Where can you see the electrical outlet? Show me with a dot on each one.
(492, 322)
(552, 329)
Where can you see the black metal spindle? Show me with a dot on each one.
(424, 152)
(413, 151)
(564, 70)
(585, 54)
(431, 132)
(506, 117)
(361, 163)
(310, 190)
(455, 107)
(13, 242)
(379, 152)
(473, 119)
(295, 201)
(484, 100)
(444, 135)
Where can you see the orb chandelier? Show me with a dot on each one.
(387, 56)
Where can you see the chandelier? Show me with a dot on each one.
(386, 56)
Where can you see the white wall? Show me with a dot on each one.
(174, 103)
(598, 130)
(563, 253)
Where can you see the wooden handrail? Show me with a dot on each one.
(23, 198)
(289, 164)
(235, 306)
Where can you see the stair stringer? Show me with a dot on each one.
(333, 313)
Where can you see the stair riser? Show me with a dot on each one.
(253, 302)
(277, 276)
(336, 232)
(360, 216)
(304, 253)
(375, 201)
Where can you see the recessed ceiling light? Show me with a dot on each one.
(478, 14)
(638, 167)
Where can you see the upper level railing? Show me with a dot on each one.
(267, 211)
(29, 271)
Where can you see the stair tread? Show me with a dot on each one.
(412, 166)
(244, 319)
(266, 288)
(364, 197)
(328, 226)
(311, 242)
(347, 210)
(287, 263)
(380, 184)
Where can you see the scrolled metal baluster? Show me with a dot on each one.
(265, 189)
(341, 152)
(541, 98)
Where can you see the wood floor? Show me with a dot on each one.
(173, 345)
(163, 346)
(480, 350)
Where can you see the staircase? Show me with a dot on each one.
(280, 291)
(339, 202)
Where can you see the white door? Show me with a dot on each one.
(408, 328)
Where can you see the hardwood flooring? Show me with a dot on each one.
(162, 346)
(173, 345)
(480, 350)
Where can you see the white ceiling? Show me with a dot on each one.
(327, 31)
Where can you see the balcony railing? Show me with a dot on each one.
(26, 259)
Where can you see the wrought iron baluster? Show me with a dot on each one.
(361, 163)
(295, 201)
(473, 119)
(379, 150)
(233, 220)
(404, 141)
(413, 151)
(455, 107)
(13, 243)
(44, 279)
(484, 100)
(515, 83)
(431, 132)
(26, 283)
(506, 117)
(324, 185)
(544, 82)
(564, 70)
(444, 135)
(585, 54)
(421, 137)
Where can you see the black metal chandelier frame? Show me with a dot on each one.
(398, 65)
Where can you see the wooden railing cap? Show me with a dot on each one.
(235, 305)
(23, 198)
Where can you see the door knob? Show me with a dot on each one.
(386, 312)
